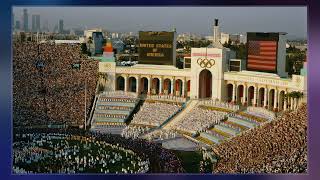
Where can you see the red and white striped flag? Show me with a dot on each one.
(262, 55)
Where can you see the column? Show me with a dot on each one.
(138, 85)
(172, 86)
(234, 86)
(255, 96)
(275, 100)
(291, 103)
(149, 85)
(126, 83)
(183, 88)
(245, 94)
(160, 86)
(265, 97)
(285, 103)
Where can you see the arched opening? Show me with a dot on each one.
(178, 87)
(144, 85)
(167, 86)
(229, 92)
(132, 84)
(155, 86)
(205, 84)
(251, 96)
(281, 100)
(271, 99)
(240, 94)
(120, 83)
(261, 97)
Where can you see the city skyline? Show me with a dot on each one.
(292, 20)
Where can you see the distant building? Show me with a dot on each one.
(12, 22)
(67, 41)
(209, 38)
(234, 38)
(18, 25)
(118, 45)
(25, 20)
(35, 23)
(88, 32)
(97, 42)
(224, 38)
(243, 38)
(61, 30)
(78, 32)
(45, 27)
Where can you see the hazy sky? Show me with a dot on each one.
(292, 20)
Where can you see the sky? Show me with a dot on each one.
(199, 20)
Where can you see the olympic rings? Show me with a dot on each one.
(206, 63)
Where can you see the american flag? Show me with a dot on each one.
(262, 55)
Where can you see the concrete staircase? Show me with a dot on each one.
(111, 113)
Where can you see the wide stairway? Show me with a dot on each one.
(233, 126)
(112, 111)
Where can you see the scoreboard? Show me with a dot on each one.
(157, 47)
(262, 51)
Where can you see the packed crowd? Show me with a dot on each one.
(134, 131)
(60, 153)
(161, 160)
(216, 103)
(125, 108)
(117, 99)
(104, 115)
(279, 146)
(154, 113)
(199, 119)
(167, 98)
(206, 164)
(161, 134)
(119, 94)
(50, 82)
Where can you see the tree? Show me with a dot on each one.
(293, 94)
(89, 42)
(84, 49)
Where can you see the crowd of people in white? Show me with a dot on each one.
(134, 131)
(119, 94)
(161, 134)
(60, 153)
(219, 104)
(167, 98)
(199, 119)
(154, 113)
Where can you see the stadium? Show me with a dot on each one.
(91, 115)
